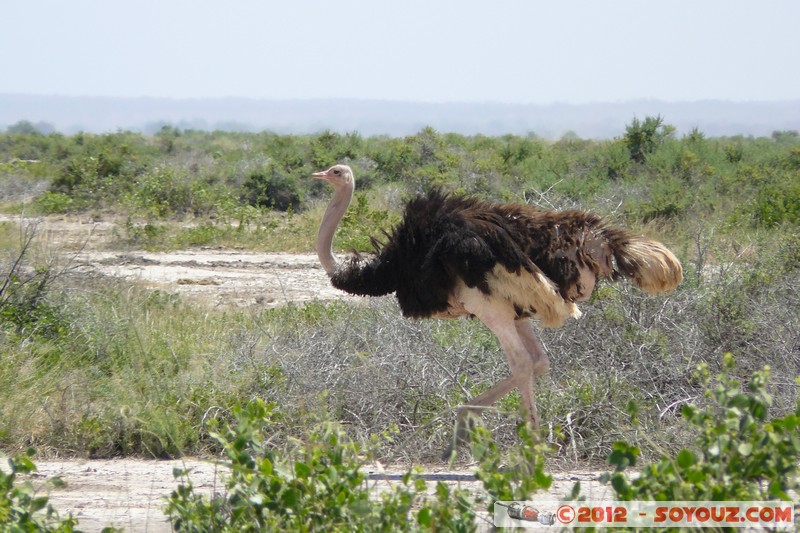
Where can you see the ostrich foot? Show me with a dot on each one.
(465, 425)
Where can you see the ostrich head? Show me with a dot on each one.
(341, 177)
(338, 175)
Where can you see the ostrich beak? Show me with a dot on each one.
(320, 175)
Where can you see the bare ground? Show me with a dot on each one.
(130, 493)
(218, 277)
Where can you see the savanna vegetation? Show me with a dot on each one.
(96, 367)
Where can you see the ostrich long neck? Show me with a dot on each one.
(333, 215)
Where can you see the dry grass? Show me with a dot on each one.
(106, 368)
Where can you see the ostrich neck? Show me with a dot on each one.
(330, 221)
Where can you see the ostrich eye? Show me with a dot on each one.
(337, 172)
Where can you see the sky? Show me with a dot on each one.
(508, 51)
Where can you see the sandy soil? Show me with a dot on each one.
(130, 493)
(217, 277)
(125, 493)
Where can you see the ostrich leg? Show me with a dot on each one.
(500, 319)
(541, 363)
(485, 399)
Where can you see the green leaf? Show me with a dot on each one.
(685, 459)
(791, 421)
(424, 516)
(37, 504)
(633, 410)
(302, 470)
(289, 498)
(623, 456)
(576, 491)
(266, 467)
(24, 465)
(543, 480)
(620, 485)
(745, 448)
(776, 491)
(696, 477)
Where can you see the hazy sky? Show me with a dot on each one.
(430, 50)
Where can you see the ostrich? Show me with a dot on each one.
(504, 264)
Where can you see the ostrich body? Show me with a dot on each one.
(502, 263)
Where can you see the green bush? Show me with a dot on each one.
(147, 235)
(25, 308)
(778, 202)
(319, 486)
(746, 181)
(274, 189)
(21, 509)
(54, 202)
(162, 192)
(201, 235)
(515, 475)
(643, 138)
(739, 453)
(329, 148)
(361, 223)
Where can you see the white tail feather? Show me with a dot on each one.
(651, 265)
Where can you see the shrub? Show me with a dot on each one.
(361, 223)
(147, 235)
(162, 192)
(738, 453)
(778, 202)
(273, 189)
(24, 306)
(21, 509)
(54, 202)
(319, 486)
(95, 171)
(643, 138)
(201, 235)
(513, 476)
(328, 148)
(396, 159)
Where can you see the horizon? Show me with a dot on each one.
(73, 114)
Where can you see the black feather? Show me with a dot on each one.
(440, 239)
(443, 238)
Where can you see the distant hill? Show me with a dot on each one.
(374, 117)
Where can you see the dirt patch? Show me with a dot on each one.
(216, 277)
(220, 278)
(131, 493)
(126, 493)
